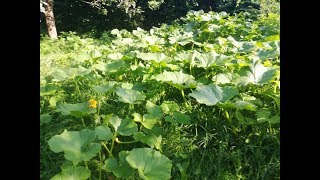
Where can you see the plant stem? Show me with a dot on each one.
(100, 171)
(184, 99)
(105, 146)
(77, 87)
(99, 105)
(131, 108)
(207, 70)
(112, 142)
(270, 128)
(122, 142)
(84, 125)
(227, 116)
(86, 164)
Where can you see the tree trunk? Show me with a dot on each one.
(52, 31)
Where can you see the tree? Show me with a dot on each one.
(46, 6)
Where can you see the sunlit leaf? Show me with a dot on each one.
(105, 88)
(121, 168)
(115, 56)
(157, 57)
(212, 94)
(77, 145)
(61, 75)
(125, 127)
(103, 132)
(169, 107)
(72, 172)
(257, 74)
(48, 90)
(130, 96)
(78, 110)
(153, 109)
(151, 164)
(151, 140)
(206, 60)
(111, 66)
(148, 121)
(225, 78)
(177, 79)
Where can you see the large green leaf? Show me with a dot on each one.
(183, 56)
(103, 132)
(125, 127)
(67, 141)
(181, 118)
(211, 94)
(151, 140)
(245, 105)
(105, 88)
(240, 117)
(48, 90)
(269, 53)
(225, 78)
(265, 116)
(169, 107)
(151, 164)
(121, 168)
(115, 56)
(77, 145)
(206, 60)
(111, 66)
(274, 119)
(239, 104)
(78, 110)
(73, 173)
(157, 57)
(61, 75)
(181, 39)
(248, 47)
(85, 56)
(130, 96)
(170, 119)
(228, 93)
(257, 74)
(45, 118)
(176, 79)
(153, 109)
(147, 120)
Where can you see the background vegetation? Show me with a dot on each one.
(194, 85)
(82, 17)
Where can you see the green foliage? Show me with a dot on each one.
(77, 146)
(95, 16)
(72, 172)
(196, 100)
(150, 163)
(212, 94)
(121, 168)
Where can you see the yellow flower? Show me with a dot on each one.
(93, 103)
